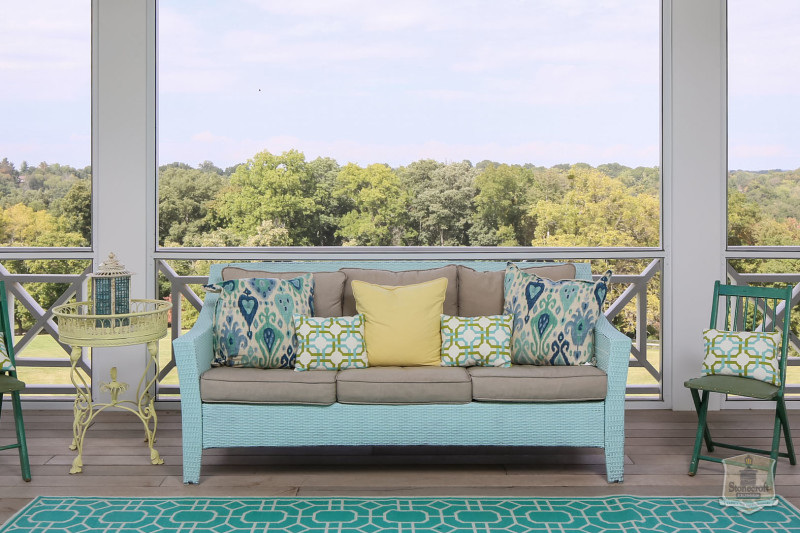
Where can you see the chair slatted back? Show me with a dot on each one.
(6, 336)
(746, 308)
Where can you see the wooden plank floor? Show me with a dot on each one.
(116, 463)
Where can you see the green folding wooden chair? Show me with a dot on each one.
(754, 309)
(11, 385)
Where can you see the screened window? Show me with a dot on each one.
(45, 140)
(763, 113)
(317, 123)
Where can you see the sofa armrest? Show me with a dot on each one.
(612, 351)
(194, 350)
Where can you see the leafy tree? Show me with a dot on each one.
(376, 206)
(208, 166)
(641, 180)
(7, 171)
(445, 205)
(20, 225)
(184, 200)
(268, 234)
(278, 188)
(76, 210)
(597, 211)
(743, 218)
(218, 238)
(612, 170)
(416, 178)
(501, 205)
(324, 171)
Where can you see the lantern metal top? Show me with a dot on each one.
(110, 268)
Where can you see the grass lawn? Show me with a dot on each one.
(44, 346)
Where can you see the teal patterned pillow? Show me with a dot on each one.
(553, 320)
(5, 360)
(253, 325)
(745, 354)
(476, 341)
(330, 343)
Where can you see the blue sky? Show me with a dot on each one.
(369, 81)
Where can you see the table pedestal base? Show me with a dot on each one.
(85, 410)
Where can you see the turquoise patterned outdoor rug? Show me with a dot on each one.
(407, 515)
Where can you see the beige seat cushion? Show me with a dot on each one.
(328, 287)
(405, 277)
(481, 293)
(528, 383)
(404, 385)
(277, 385)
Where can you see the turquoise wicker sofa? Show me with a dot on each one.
(598, 423)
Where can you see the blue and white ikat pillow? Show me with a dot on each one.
(746, 354)
(253, 320)
(553, 320)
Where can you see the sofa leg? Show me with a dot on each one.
(192, 460)
(615, 463)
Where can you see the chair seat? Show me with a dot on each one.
(9, 384)
(751, 388)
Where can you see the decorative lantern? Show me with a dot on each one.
(111, 288)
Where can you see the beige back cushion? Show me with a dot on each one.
(481, 293)
(327, 287)
(405, 277)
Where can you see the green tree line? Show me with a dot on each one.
(286, 200)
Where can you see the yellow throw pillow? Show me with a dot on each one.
(402, 323)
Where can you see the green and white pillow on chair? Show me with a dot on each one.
(746, 354)
(5, 360)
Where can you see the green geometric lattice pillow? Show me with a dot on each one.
(745, 354)
(253, 324)
(476, 341)
(5, 360)
(330, 343)
(553, 320)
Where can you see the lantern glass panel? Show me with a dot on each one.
(101, 294)
(122, 295)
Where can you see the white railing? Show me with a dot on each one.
(44, 323)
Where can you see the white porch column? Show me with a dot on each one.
(695, 189)
(122, 161)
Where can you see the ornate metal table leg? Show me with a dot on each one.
(82, 409)
(146, 407)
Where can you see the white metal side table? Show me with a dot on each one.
(145, 324)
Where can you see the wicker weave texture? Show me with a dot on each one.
(592, 424)
(471, 424)
(612, 350)
(193, 353)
